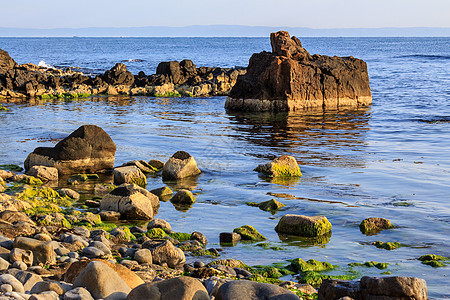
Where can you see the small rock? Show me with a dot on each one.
(303, 225)
(6, 288)
(271, 205)
(159, 223)
(43, 286)
(79, 293)
(49, 295)
(163, 193)
(249, 290)
(179, 166)
(109, 215)
(143, 256)
(249, 233)
(101, 246)
(69, 193)
(283, 166)
(229, 237)
(129, 174)
(92, 252)
(198, 236)
(372, 226)
(4, 264)
(44, 173)
(25, 256)
(20, 265)
(12, 281)
(167, 254)
(157, 164)
(183, 197)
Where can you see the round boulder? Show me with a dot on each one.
(303, 225)
(179, 166)
(250, 290)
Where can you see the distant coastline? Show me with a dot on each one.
(224, 31)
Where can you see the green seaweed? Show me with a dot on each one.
(249, 233)
(262, 279)
(168, 94)
(370, 264)
(315, 279)
(436, 261)
(285, 171)
(180, 236)
(204, 252)
(387, 245)
(31, 180)
(11, 167)
(156, 233)
(271, 205)
(2, 108)
(267, 246)
(140, 181)
(299, 265)
(253, 204)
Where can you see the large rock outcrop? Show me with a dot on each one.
(6, 62)
(87, 149)
(289, 78)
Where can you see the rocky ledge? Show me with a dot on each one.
(289, 78)
(172, 78)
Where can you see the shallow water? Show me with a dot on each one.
(388, 160)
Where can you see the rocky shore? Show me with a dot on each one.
(172, 79)
(55, 244)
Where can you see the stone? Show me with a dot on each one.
(49, 285)
(163, 193)
(99, 245)
(172, 70)
(108, 215)
(6, 288)
(4, 264)
(42, 237)
(25, 256)
(229, 237)
(183, 197)
(132, 201)
(271, 205)
(157, 164)
(142, 165)
(198, 236)
(118, 75)
(179, 166)
(180, 288)
(249, 233)
(20, 265)
(159, 223)
(87, 149)
(6, 62)
(28, 279)
(335, 289)
(13, 282)
(143, 256)
(250, 290)
(167, 254)
(283, 166)
(300, 225)
(92, 252)
(65, 192)
(290, 79)
(78, 293)
(43, 252)
(100, 280)
(395, 287)
(129, 174)
(48, 295)
(44, 173)
(372, 226)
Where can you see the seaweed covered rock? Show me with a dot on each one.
(283, 166)
(183, 197)
(87, 149)
(299, 265)
(289, 78)
(436, 261)
(129, 174)
(303, 225)
(250, 290)
(132, 201)
(271, 205)
(249, 233)
(179, 166)
(182, 288)
(372, 226)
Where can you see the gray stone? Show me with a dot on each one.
(18, 254)
(20, 265)
(43, 286)
(129, 175)
(143, 256)
(4, 264)
(44, 173)
(78, 293)
(49, 295)
(167, 254)
(250, 290)
(43, 252)
(12, 281)
(28, 279)
(101, 246)
(69, 193)
(92, 252)
(159, 223)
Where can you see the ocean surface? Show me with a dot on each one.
(389, 160)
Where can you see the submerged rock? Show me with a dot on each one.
(179, 166)
(271, 205)
(303, 225)
(183, 197)
(87, 149)
(249, 233)
(289, 78)
(372, 226)
(129, 174)
(283, 166)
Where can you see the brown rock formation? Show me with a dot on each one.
(290, 78)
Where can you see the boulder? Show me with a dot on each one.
(198, 236)
(250, 290)
(179, 166)
(229, 237)
(395, 287)
(129, 174)
(172, 70)
(156, 163)
(283, 166)
(180, 288)
(87, 149)
(159, 223)
(43, 252)
(303, 225)
(271, 205)
(143, 256)
(49, 285)
(163, 193)
(132, 201)
(6, 62)
(100, 280)
(21, 255)
(336, 289)
(44, 173)
(183, 197)
(372, 226)
(249, 233)
(167, 254)
(144, 166)
(118, 75)
(28, 279)
(65, 192)
(4, 264)
(78, 293)
(17, 286)
(289, 79)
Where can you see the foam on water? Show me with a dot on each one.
(45, 65)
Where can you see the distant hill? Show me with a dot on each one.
(224, 31)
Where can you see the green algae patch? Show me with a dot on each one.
(268, 246)
(204, 252)
(370, 264)
(299, 265)
(280, 170)
(271, 205)
(31, 180)
(387, 245)
(229, 262)
(272, 271)
(371, 226)
(84, 177)
(253, 204)
(125, 234)
(180, 236)
(436, 261)
(262, 279)
(168, 95)
(43, 200)
(2, 108)
(315, 279)
(156, 233)
(249, 233)
(11, 167)
(283, 166)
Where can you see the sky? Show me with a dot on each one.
(291, 13)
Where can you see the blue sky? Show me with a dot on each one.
(293, 13)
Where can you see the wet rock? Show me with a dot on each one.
(129, 174)
(271, 205)
(118, 75)
(87, 149)
(283, 166)
(159, 223)
(48, 295)
(133, 202)
(103, 188)
(43, 252)
(163, 193)
(142, 165)
(250, 290)
(167, 254)
(183, 197)
(291, 79)
(179, 166)
(182, 288)
(229, 237)
(335, 289)
(303, 225)
(249, 233)
(393, 287)
(65, 192)
(44, 173)
(78, 293)
(198, 236)
(143, 256)
(157, 164)
(100, 280)
(372, 226)
(22, 255)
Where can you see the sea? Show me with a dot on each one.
(390, 160)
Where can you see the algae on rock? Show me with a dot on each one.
(249, 233)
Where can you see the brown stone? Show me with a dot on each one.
(289, 78)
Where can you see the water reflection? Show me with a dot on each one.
(313, 137)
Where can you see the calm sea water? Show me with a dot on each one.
(389, 160)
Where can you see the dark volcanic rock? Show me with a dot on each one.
(87, 149)
(290, 78)
(118, 75)
(6, 62)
